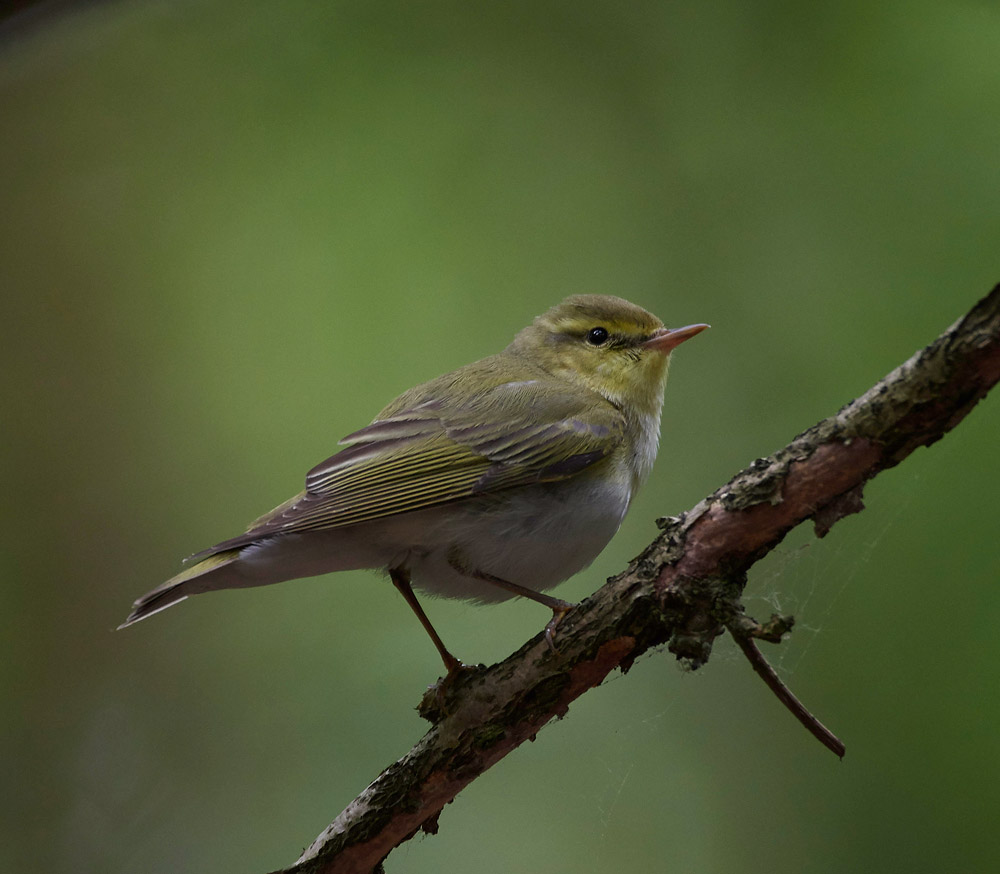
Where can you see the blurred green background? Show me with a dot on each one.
(232, 231)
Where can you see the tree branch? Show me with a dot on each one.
(683, 590)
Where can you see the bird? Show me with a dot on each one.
(500, 479)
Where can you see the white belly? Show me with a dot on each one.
(534, 536)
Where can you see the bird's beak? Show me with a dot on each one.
(665, 339)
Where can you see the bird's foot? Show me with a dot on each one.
(559, 609)
(435, 704)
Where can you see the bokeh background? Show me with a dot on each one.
(230, 232)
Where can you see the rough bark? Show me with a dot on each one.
(682, 591)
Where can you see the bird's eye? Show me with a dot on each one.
(597, 336)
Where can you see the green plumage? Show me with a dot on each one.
(494, 433)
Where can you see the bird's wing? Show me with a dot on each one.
(514, 434)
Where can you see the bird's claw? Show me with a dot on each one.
(433, 705)
(558, 611)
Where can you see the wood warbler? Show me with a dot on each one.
(502, 478)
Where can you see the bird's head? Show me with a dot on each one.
(607, 344)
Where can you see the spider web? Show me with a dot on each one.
(804, 577)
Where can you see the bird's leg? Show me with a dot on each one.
(401, 580)
(558, 607)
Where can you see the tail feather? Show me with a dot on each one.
(190, 581)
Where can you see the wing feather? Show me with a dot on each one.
(421, 456)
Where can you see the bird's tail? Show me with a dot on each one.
(209, 573)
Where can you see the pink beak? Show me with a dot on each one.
(665, 340)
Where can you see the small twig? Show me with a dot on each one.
(744, 639)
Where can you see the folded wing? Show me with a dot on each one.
(421, 457)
